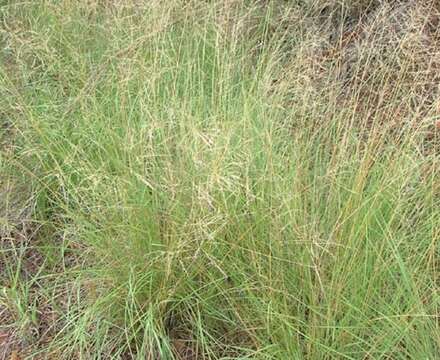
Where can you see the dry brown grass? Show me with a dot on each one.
(381, 66)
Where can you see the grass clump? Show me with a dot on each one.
(218, 180)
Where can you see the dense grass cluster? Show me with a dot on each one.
(219, 180)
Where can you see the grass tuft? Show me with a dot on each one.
(219, 180)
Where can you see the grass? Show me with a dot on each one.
(219, 180)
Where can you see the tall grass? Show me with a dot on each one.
(205, 188)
